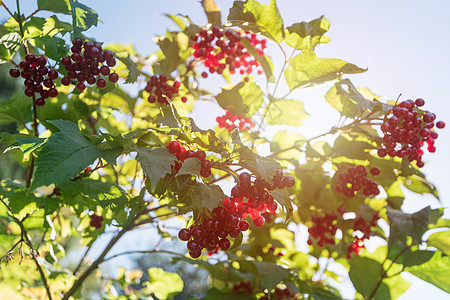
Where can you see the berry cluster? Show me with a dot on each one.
(211, 232)
(84, 65)
(219, 49)
(407, 130)
(96, 221)
(231, 122)
(37, 77)
(323, 229)
(182, 154)
(352, 179)
(279, 293)
(361, 231)
(259, 200)
(159, 89)
(243, 287)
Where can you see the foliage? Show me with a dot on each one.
(93, 157)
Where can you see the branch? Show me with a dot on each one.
(384, 275)
(143, 252)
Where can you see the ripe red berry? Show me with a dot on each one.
(101, 83)
(113, 77)
(15, 73)
(80, 86)
(174, 147)
(375, 171)
(40, 101)
(204, 74)
(184, 234)
(224, 244)
(440, 124)
(65, 81)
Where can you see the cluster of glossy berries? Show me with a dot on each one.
(219, 49)
(361, 231)
(38, 78)
(253, 198)
(211, 234)
(182, 154)
(160, 90)
(352, 179)
(243, 287)
(231, 122)
(96, 221)
(323, 229)
(407, 130)
(88, 63)
(279, 293)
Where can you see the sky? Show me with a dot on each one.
(404, 44)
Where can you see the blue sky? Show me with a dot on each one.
(404, 44)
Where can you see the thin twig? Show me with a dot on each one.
(142, 252)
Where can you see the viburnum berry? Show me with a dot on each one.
(323, 229)
(220, 49)
(88, 63)
(96, 221)
(229, 121)
(182, 154)
(160, 90)
(407, 130)
(37, 77)
(361, 232)
(351, 179)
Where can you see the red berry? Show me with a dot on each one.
(224, 244)
(113, 77)
(101, 83)
(40, 101)
(184, 234)
(65, 81)
(204, 74)
(375, 171)
(440, 124)
(174, 147)
(80, 86)
(15, 73)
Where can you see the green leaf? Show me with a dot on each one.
(420, 185)
(177, 20)
(345, 98)
(351, 148)
(162, 284)
(265, 168)
(57, 6)
(212, 11)
(284, 140)
(286, 112)
(29, 144)
(106, 193)
(83, 17)
(16, 110)
(132, 67)
(242, 99)
(404, 224)
(190, 166)
(271, 274)
(54, 26)
(65, 155)
(306, 35)
(414, 258)
(254, 16)
(200, 195)
(171, 50)
(156, 163)
(441, 241)
(436, 271)
(306, 69)
(9, 45)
